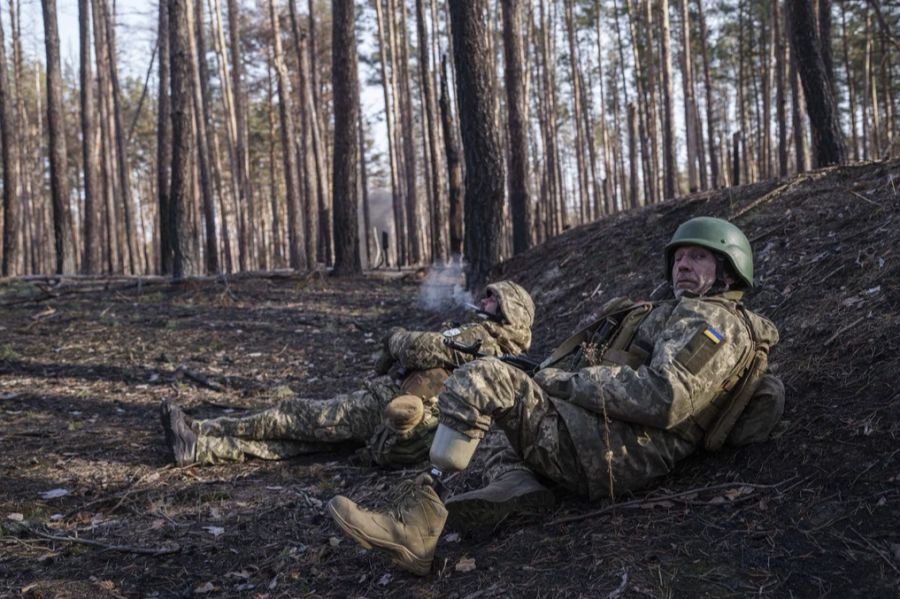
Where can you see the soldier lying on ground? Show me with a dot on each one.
(394, 414)
(671, 377)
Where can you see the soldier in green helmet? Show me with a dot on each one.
(394, 414)
(672, 377)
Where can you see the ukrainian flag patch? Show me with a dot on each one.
(714, 335)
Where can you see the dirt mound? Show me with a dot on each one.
(89, 505)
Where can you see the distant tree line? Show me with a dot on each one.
(501, 123)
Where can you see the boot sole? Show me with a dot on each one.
(480, 515)
(400, 555)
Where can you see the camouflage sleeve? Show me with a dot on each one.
(421, 350)
(695, 351)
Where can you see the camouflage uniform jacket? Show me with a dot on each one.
(425, 350)
(660, 410)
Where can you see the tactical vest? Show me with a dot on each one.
(612, 337)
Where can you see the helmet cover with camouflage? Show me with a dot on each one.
(517, 310)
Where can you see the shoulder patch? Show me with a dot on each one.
(700, 349)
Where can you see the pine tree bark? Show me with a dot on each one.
(851, 84)
(202, 122)
(796, 112)
(517, 125)
(312, 183)
(687, 81)
(715, 179)
(670, 168)
(89, 151)
(454, 168)
(164, 146)
(345, 87)
(59, 184)
(481, 140)
(246, 243)
(119, 133)
(390, 121)
(609, 188)
(185, 262)
(432, 139)
(780, 96)
(413, 226)
(296, 243)
(577, 108)
(828, 143)
(652, 106)
(10, 264)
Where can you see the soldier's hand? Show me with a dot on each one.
(383, 362)
(554, 381)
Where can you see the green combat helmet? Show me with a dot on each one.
(719, 236)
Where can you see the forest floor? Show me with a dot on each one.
(89, 505)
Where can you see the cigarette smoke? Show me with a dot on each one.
(443, 287)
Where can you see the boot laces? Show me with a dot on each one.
(406, 496)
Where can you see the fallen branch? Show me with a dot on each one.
(637, 503)
(155, 551)
(198, 378)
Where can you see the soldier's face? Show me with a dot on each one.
(693, 269)
(489, 304)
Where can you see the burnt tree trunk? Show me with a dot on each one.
(454, 167)
(164, 145)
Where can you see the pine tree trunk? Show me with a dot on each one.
(796, 112)
(390, 122)
(780, 98)
(640, 91)
(364, 194)
(828, 143)
(246, 242)
(121, 151)
(652, 107)
(185, 262)
(89, 151)
(851, 84)
(59, 184)
(203, 124)
(517, 125)
(313, 186)
(687, 81)
(715, 179)
(581, 169)
(768, 83)
(671, 176)
(632, 154)
(454, 167)
(164, 145)
(432, 139)
(408, 130)
(296, 243)
(345, 87)
(277, 245)
(481, 141)
(556, 203)
(320, 147)
(609, 189)
(9, 147)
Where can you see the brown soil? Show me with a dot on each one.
(811, 513)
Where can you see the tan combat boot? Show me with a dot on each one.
(409, 531)
(514, 491)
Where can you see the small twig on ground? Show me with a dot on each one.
(198, 378)
(653, 500)
(876, 550)
(123, 548)
(843, 330)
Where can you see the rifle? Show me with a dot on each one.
(527, 365)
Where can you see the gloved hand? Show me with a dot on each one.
(404, 437)
(554, 381)
(384, 359)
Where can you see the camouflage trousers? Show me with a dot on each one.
(547, 434)
(295, 426)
